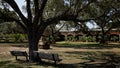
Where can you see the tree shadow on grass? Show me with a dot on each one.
(59, 65)
(89, 64)
(109, 63)
(11, 64)
(94, 60)
(20, 64)
(2, 63)
(104, 60)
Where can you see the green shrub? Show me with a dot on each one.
(80, 38)
(70, 38)
(16, 37)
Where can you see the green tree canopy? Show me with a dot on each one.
(42, 13)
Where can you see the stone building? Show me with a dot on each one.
(93, 35)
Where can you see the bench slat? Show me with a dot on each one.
(49, 56)
(45, 55)
(19, 53)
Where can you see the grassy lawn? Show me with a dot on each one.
(88, 45)
(18, 64)
(73, 55)
(77, 44)
(14, 44)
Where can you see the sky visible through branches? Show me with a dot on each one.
(22, 2)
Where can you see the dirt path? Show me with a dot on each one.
(69, 55)
(6, 48)
(5, 51)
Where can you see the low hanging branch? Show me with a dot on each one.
(13, 4)
(13, 19)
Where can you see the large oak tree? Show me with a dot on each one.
(41, 13)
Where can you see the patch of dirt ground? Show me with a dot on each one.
(68, 55)
(5, 50)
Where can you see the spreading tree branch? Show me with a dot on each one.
(39, 13)
(83, 7)
(65, 18)
(29, 10)
(36, 4)
(7, 18)
(13, 4)
(59, 29)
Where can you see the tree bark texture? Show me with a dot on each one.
(33, 37)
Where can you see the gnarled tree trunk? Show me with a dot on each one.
(33, 46)
(33, 37)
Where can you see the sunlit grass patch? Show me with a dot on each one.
(77, 44)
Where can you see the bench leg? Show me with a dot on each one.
(16, 57)
(27, 58)
(37, 58)
(55, 62)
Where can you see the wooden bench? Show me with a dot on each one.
(48, 56)
(19, 53)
